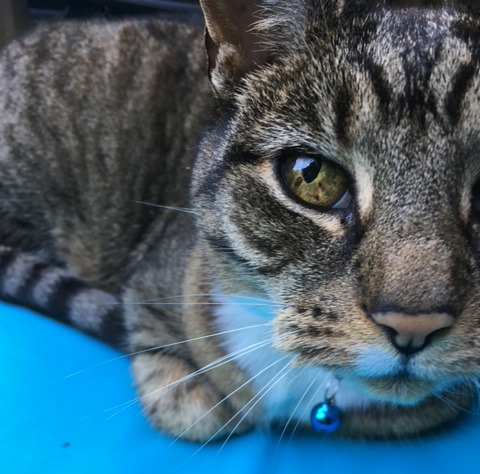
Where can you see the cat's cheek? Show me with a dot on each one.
(318, 337)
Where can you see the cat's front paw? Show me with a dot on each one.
(181, 402)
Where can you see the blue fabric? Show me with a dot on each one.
(54, 420)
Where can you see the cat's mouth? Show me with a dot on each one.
(403, 390)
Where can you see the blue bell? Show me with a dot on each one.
(326, 417)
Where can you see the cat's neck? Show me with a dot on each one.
(283, 390)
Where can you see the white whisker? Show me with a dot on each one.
(231, 419)
(214, 295)
(260, 395)
(156, 348)
(452, 405)
(295, 409)
(186, 304)
(215, 279)
(302, 415)
(185, 210)
(218, 363)
(227, 397)
(211, 366)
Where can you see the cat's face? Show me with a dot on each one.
(341, 182)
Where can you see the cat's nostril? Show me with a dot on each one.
(411, 332)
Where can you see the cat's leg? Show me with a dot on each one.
(179, 398)
(177, 389)
(178, 393)
(180, 401)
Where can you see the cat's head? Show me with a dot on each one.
(340, 178)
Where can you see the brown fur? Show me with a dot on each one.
(97, 117)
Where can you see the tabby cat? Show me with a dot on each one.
(300, 218)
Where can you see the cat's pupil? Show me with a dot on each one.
(310, 169)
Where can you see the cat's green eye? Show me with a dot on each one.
(316, 181)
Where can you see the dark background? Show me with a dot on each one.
(44, 9)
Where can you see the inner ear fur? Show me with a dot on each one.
(233, 46)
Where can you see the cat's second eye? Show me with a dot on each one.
(316, 181)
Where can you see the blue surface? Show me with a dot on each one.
(52, 421)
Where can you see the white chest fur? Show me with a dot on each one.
(284, 392)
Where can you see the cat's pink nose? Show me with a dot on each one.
(411, 331)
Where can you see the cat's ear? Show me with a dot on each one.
(233, 45)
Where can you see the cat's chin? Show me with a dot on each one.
(404, 391)
(403, 407)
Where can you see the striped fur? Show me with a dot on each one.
(31, 281)
(142, 208)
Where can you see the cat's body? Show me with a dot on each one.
(374, 293)
(141, 153)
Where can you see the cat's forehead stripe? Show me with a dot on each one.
(461, 84)
(428, 68)
(343, 109)
(379, 83)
